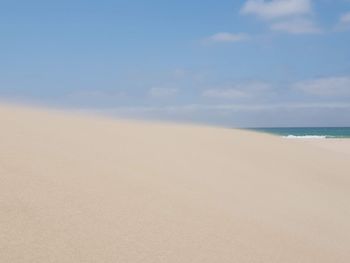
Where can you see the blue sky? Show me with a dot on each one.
(233, 63)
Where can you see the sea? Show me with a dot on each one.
(308, 132)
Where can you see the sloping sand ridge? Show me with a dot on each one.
(89, 189)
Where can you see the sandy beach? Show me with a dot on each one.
(79, 188)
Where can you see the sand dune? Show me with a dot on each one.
(89, 189)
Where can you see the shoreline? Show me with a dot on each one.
(307, 132)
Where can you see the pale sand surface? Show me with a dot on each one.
(88, 189)
(336, 145)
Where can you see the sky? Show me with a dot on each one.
(237, 63)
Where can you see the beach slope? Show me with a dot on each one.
(89, 189)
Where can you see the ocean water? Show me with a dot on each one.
(308, 132)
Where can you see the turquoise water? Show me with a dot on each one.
(311, 132)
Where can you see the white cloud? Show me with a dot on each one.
(277, 8)
(237, 91)
(344, 22)
(296, 26)
(225, 93)
(223, 37)
(345, 18)
(96, 95)
(332, 86)
(180, 73)
(162, 92)
(289, 16)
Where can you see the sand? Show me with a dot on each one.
(89, 189)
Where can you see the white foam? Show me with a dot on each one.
(306, 137)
